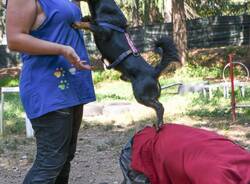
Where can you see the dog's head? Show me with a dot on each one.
(106, 11)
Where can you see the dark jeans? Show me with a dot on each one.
(56, 138)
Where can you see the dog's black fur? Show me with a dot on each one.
(112, 44)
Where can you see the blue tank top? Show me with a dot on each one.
(50, 82)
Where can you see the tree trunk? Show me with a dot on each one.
(146, 12)
(2, 21)
(179, 27)
(135, 12)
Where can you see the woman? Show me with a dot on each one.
(55, 81)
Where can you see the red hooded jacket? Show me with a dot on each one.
(180, 154)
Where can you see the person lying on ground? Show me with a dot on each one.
(179, 154)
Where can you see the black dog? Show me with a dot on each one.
(108, 25)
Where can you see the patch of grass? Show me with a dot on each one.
(102, 97)
(202, 106)
(216, 107)
(205, 112)
(115, 90)
(13, 114)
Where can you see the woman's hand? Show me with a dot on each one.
(70, 54)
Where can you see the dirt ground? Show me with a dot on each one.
(96, 160)
(98, 151)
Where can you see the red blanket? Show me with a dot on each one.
(184, 155)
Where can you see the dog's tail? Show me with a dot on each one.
(168, 51)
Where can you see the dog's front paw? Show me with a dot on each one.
(86, 19)
(81, 25)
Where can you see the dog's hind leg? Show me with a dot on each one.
(159, 109)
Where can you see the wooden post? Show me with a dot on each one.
(180, 28)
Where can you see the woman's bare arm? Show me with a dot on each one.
(21, 15)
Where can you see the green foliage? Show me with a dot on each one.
(9, 82)
(206, 8)
(106, 75)
(197, 72)
(140, 12)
